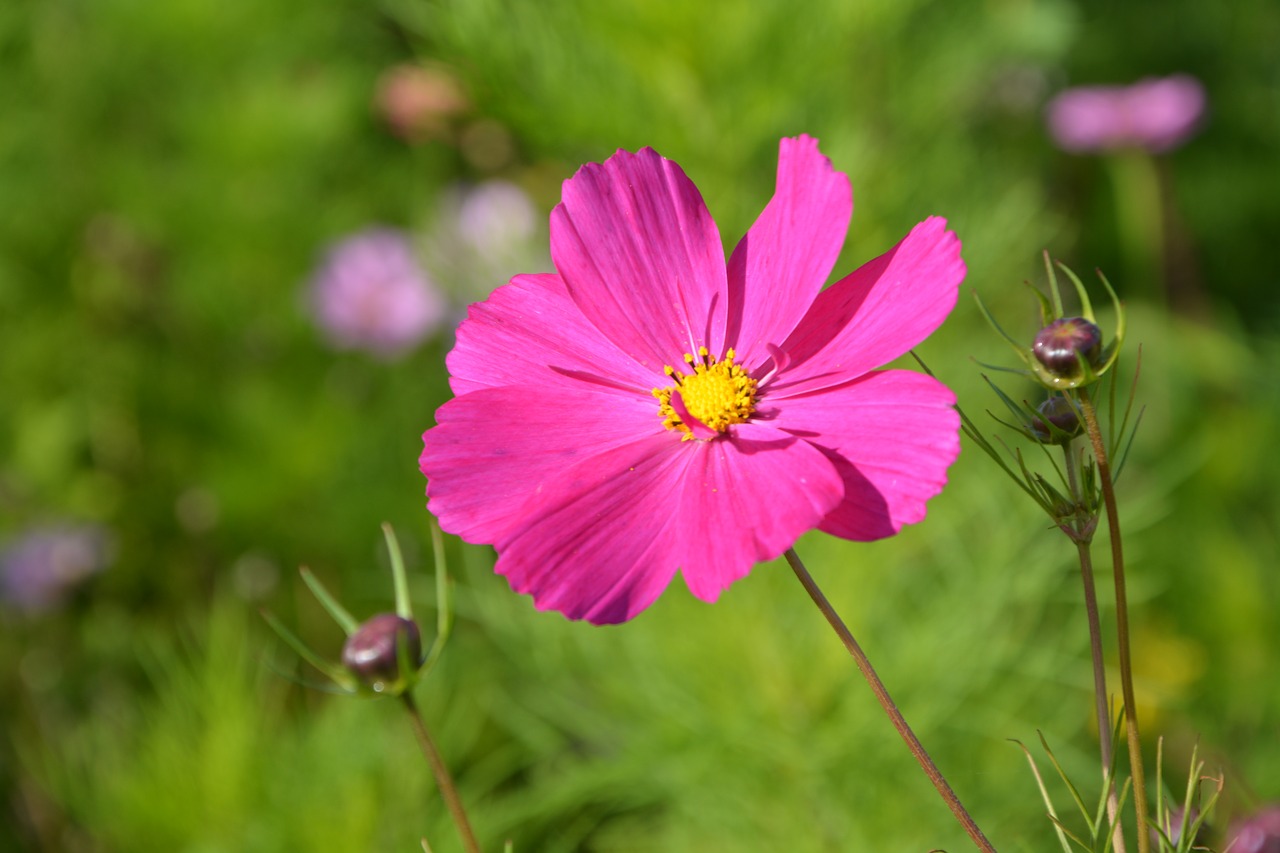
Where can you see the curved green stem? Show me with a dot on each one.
(887, 703)
(1122, 618)
(444, 780)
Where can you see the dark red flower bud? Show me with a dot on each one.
(1058, 344)
(373, 655)
(1059, 412)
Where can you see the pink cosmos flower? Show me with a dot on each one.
(1156, 114)
(371, 294)
(649, 409)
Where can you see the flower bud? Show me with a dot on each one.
(1061, 414)
(1060, 345)
(373, 653)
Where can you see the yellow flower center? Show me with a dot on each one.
(716, 394)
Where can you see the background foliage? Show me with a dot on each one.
(169, 177)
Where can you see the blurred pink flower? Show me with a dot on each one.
(648, 408)
(1155, 114)
(372, 295)
(41, 568)
(1259, 833)
(419, 103)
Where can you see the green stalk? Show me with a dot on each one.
(1083, 551)
(1140, 219)
(444, 780)
(887, 703)
(1122, 618)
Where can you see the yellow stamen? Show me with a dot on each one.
(717, 393)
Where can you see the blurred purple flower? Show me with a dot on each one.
(41, 568)
(1260, 833)
(1155, 114)
(371, 294)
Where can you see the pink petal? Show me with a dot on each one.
(493, 449)
(598, 543)
(530, 333)
(877, 312)
(642, 257)
(745, 500)
(892, 435)
(784, 260)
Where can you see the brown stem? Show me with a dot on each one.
(1122, 619)
(887, 703)
(444, 781)
(1095, 652)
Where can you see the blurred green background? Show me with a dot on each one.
(170, 177)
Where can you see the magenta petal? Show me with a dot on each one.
(877, 312)
(493, 449)
(642, 257)
(745, 500)
(597, 543)
(784, 260)
(529, 333)
(892, 434)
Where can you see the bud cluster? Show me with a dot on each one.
(383, 654)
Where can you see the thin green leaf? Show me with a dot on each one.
(1117, 304)
(1101, 820)
(1162, 819)
(1133, 394)
(1019, 348)
(335, 673)
(1124, 454)
(1062, 829)
(1044, 795)
(1086, 308)
(1054, 290)
(1001, 369)
(1062, 774)
(444, 604)
(1194, 829)
(1192, 789)
(1029, 483)
(404, 609)
(339, 613)
(444, 608)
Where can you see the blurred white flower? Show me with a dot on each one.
(483, 235)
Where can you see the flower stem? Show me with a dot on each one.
(1095, 650)
(1122, 617)
(1140, 219)
(887, 703)
(448, 790)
